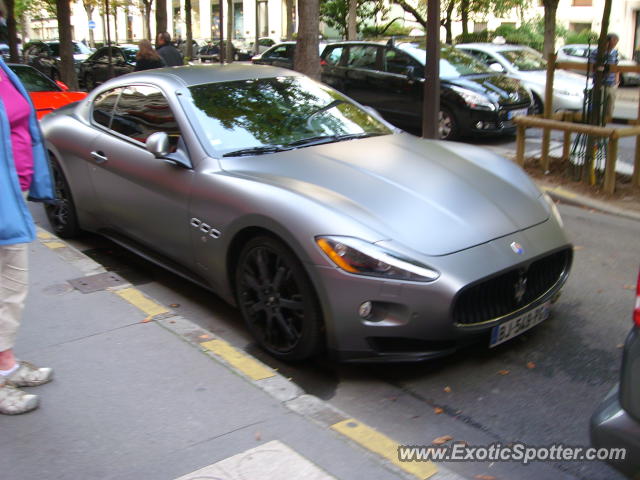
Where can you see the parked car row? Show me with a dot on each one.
(483, 86)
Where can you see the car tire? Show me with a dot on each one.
(89, 82)
(538, 107)
(277, 300)
(447, 125)
(62, 214)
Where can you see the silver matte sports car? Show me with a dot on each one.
(323, 224)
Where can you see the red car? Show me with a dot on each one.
(46, 94)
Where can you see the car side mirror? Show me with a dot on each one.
(411, 73)
(158, 144)
(496, 67)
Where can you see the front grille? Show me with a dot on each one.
(497, 296)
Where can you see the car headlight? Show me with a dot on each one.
(554, 209)
(474, 99)
(363, 258)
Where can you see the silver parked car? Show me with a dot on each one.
(323, 224)
(580, 53)
(530, 67)
(616, 422)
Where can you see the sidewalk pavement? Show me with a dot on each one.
(142, 393)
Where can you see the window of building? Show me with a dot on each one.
(479, 26)
(582, 3)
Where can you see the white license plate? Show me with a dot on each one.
(514, 113)
(514, 327)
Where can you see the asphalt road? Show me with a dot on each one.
(539, 388)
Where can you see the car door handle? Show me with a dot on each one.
(99, 157)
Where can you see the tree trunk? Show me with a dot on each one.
(89, 10)
(146, 20)
(290, 17)
(307, 59)
(187, 21)
(115, 23)
(11, 31)
(550, 9)
(448, 21)
(67, 70)
(228, 45)
(161, 16)
(464, 16)
(352, 20)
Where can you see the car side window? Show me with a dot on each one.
(278, 52)
(334, 55)
(142, 110)
(399, 62)
(117, 56)
(363, 56)
(481, 56)
(103, 107)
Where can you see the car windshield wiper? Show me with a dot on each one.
(257, 150)
(328, 106)
(321, 139)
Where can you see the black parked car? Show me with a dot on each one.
(95, 69)
(45, 56)
(390, 78)
(280, 55)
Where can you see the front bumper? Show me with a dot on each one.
(483, 122)
(413, 321)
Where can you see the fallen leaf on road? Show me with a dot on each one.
(504, 372)
(258, 436)
(148, 319)
(531, 365)
(174, 305)
(442, 440)
(620, 345)
(578, 247)
(204, 336)
(447, 389)
(438, 410)
(485, 477)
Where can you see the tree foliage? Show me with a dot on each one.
(335, 13)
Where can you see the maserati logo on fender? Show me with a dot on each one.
(517, 248)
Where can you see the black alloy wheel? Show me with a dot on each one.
(62, 214)
(277, 300)
(89, 82)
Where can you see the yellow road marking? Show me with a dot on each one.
(562, 191)
(382, 445)
(137, 299)
(42, 235)
(246, 364)
(54, 245)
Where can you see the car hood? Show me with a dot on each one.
(562, 79)
(434, 197)
(499, 88)
(46, 102)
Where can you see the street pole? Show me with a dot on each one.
(110, 58)
(431, 96)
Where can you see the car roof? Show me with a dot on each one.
(190, 75)
(494, 47)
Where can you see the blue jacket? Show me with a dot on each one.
(16, 223)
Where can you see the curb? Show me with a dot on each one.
(372, 442)
(567, 196)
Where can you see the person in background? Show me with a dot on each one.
(147, 57)
(611, 80)
(24, 170)
(170, 54)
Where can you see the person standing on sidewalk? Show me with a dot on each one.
(23, 171)
(147, 58)
(170, 54)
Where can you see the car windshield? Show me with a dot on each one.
(271, 113)
(78, 48)
(129, 54)
(525, 60)
(453, 62)
(33, 80)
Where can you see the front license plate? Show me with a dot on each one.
(514, 113)
(514, 327)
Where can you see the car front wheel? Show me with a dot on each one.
(277, 300)
(447, 125)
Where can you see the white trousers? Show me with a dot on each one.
(13, 291)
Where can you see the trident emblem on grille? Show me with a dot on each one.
(520, 288)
